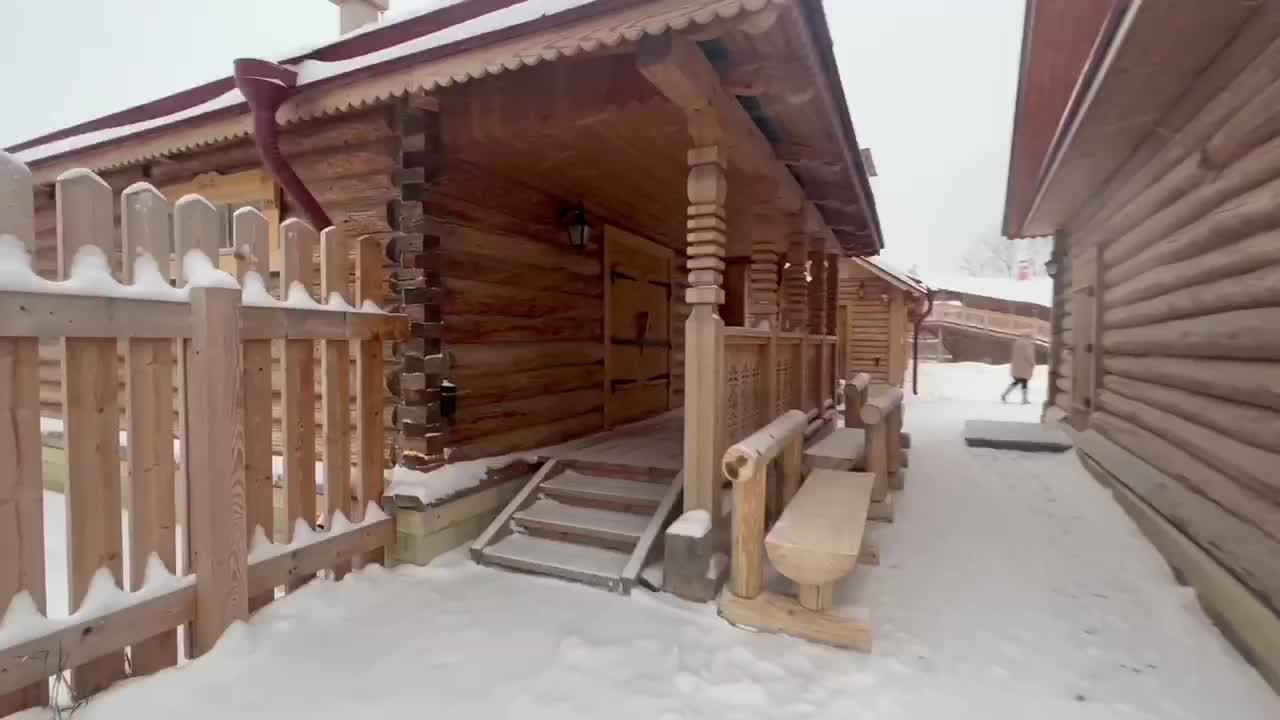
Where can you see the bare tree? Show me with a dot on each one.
(991, 256)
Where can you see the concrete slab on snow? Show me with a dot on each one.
(1005, 435)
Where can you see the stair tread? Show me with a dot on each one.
(578, 484)
(593, 521)
(580, 562)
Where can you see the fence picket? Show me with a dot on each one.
(193, 229)
(250, 233)
(222, 489)
(297, 390)
(21, 494)
(369, 429)
(92, 422)
(335, 374)
(149, 366)
(218, 537)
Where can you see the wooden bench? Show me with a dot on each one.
(818, 539)
(843, 449)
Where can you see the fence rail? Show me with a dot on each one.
(989, 320)
(212, 484)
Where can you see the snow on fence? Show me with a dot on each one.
(222, 328)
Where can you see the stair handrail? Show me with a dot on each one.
(746, 465)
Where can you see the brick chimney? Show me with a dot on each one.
(358, 13)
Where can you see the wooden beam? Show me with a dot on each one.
(763, 78)
(680, 71)
(772, 613)
(292, 566)
(94, 635)
(805, 156)
(47, 315)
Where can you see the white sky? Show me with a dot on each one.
(930, 85)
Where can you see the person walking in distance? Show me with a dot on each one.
(1022, 364)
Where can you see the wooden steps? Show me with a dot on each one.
(592, 523)
(609, 525)
(581, 563)
(572, 484)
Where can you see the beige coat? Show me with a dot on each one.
(1023, 361)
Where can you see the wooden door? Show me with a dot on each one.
(637, 327)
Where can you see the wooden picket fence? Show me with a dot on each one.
(223, 353)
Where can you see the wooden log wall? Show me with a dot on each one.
(1190, 329)
(524, 315)
(351, 162)
(869, 315)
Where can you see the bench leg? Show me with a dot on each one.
(817, 597)
(898, 480)
(882, 510)
(870, 552)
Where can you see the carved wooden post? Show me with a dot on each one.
(795, 289)
(817, 290)
(763, 310)
(704, 330)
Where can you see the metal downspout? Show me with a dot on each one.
(265, 86)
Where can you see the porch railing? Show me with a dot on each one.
(770, 372)
(200, 505)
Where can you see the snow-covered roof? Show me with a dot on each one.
(445, 43)
(1036, 290)
(892, 274)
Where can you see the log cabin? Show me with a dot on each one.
(1146, 141)
(594, 213)
(877, 311)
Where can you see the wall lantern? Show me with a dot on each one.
(860, 291)
(574, 220)
(1051, 267)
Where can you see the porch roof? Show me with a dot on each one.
(453, 42)
(892, 275)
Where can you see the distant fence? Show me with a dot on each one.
(989, 320)
(196, 559)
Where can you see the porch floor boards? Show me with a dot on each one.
(656, 442)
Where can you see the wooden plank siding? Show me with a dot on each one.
(1187, 372)
(875, 345)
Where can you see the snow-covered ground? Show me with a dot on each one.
(1011, 586)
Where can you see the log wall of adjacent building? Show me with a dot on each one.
(871, 335)
(1188, 287)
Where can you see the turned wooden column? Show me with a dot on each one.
(817, 292)
(762, 283)
(704, 330)
(795, 287)
(833, 293)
